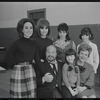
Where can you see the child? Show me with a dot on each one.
(86, 72)
(19, 58)
(63, 42)
(86, 36)
(71, 75)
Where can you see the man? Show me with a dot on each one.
(49, 84)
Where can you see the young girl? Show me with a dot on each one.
(86, 73)
(63, 42)
(71, 75)
(19, 58)
(86, 36)
(42, 40)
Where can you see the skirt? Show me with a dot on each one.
(23, 82)
(87, 92)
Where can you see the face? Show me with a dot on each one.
(70, 58)
(27, 30)
(44, 31)
(62, 34)
(85, 38)
(83, 55)
(51, 53)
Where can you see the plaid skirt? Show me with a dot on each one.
(23, 82)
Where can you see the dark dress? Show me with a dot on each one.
(23, 78)
(42, 43)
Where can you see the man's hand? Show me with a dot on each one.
(47, 78)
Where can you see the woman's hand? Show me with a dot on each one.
(80, 88)
(73, 91)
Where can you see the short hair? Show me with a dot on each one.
(84, 47)
(21, 23)
(40, 24)
(63, 27)
(70, 52)
(86, 31)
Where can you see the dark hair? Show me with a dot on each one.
(86, 31)
(40, 24)
(84, 47)
(21, 23)
(70, 52)
(63, 27)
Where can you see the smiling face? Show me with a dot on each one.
(83, 55)
(85, 38)
(62, 34)
(51, 53)
(70, 58)
(27, 30)
(44, 31)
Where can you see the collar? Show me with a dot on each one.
(54, 62)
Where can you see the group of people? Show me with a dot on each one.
(42, 68)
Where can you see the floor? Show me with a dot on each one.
(4, 85)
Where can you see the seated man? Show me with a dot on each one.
(49, 84)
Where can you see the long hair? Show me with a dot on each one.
(86, 31)
(40, 24)
(63, 27)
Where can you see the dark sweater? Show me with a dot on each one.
(22, 50)
(42, 43)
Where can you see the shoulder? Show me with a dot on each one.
(71, 42)
(49, 39)
(88, 66)
(65, 66)
(93, 45)
(17, 41)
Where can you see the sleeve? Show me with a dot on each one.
(78, 47)
(9, 58)
(39, 64)
(78, 76)
(95, 59)
(90, 79)
(64, 74)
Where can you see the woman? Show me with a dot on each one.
(63, 42)
(86, 36)
(19, 58)
(86, 89)
(42, 40)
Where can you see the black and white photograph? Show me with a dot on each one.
(50, 50)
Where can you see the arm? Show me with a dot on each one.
(38, 62)
(73, 45)
(64, 74)
(9, 58)
(95, 59)
(90, 79)
(78, 77)
(65, 78)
